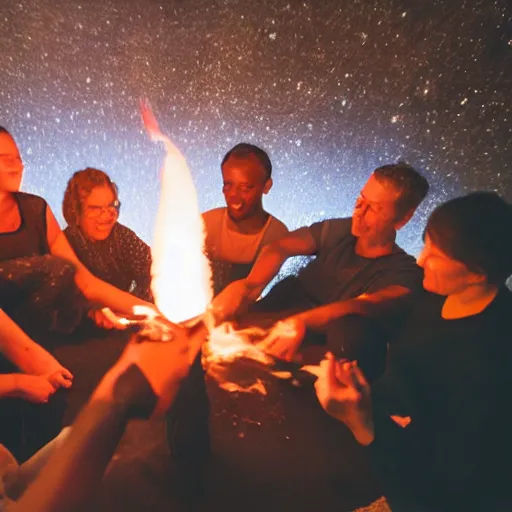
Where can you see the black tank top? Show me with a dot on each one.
(30, 239)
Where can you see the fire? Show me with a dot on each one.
(181, 275)
(227, 344)
(181, 272)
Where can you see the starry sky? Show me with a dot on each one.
(331, 89)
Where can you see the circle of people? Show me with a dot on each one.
(417, 360)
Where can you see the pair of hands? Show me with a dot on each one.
(39, 388)
(285, 337)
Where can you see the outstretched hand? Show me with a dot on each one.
(163, 363)
(231, 302)
(284, 339)
(344, 393)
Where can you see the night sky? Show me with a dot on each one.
(331, 89)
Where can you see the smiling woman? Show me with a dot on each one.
(38, 267)
(110, 250)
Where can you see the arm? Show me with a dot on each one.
(93, 288)
(140, 262)
(76, 469)
(22, 351)
(388, 301)
(236, 296)
(141, 384)
(9, 385)
(34, 388)
(296, 243)
(286, 336)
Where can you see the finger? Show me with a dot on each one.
(66, 383)
(358, 378)
(63, 381)
(67, 374)
(331, 371)
(343, 375)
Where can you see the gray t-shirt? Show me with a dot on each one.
(338, 273)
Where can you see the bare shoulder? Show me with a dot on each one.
(213, 216)
(276, 230)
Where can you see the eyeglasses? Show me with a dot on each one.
(94, 210)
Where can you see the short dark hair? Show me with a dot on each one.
(413, 187)
(475, 230)
(245, 150)
(79, 187)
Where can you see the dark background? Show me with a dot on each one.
(330, 88)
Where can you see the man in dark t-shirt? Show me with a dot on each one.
(358, 269)
(437, 423)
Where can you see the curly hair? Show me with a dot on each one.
(79, 187)
(245, 150)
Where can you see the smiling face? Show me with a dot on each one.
(443, 274)
(374, 216)
(245, 182)
(11, 166)
(99, 213)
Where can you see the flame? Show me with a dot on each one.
(227, 344)
(181, 274)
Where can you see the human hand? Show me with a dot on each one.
(35, 388)
(284, 339)
(343, 393)
(163, 363)
(103, 321)
(61, 378)
(230, 302)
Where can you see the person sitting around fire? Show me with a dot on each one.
(142, 384)
(437, 422)
(41, 276)
(359, 272)
(35, 376)
(43, 285)
(107, 248)
(236, 233)
(234, 236)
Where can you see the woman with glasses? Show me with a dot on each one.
(41, 278)
(44, 288)
(108, 249)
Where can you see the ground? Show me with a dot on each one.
(276, 452)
